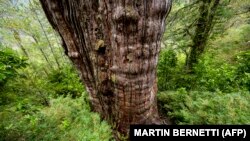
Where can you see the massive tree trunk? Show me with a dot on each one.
(115, 46)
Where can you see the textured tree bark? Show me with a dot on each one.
(115, 46)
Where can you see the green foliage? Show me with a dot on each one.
(224, 67)
(65, 82)
(211, 75)
(25, 116)
(9, 64)
(244, 62)
(243, 70)
(212, 94)
(196, 107)
(171, 75)
(65, 119)
(166, 68)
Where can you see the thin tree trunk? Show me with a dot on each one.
(46, 36)
(43, 53)
(19, 42)
(18, 39)
(115, 46)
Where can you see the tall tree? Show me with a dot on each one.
(45, 34)
(192, 23)
(115, 46)
(203, 29)
(15, 21)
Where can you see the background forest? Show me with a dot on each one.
(203, 72)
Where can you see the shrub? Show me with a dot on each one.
(212, 75)
(243, 70)
(65, 82)
(196, 107)
(166, 69)
(65, 119)
(209, 74)
(9, 64)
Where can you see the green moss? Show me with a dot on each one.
(113, 78)
(99, 44)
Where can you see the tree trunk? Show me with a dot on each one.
(202, 31)
(115, 46)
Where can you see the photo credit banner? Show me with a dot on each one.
(192, 132)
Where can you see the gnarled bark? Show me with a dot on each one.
(115, 46)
